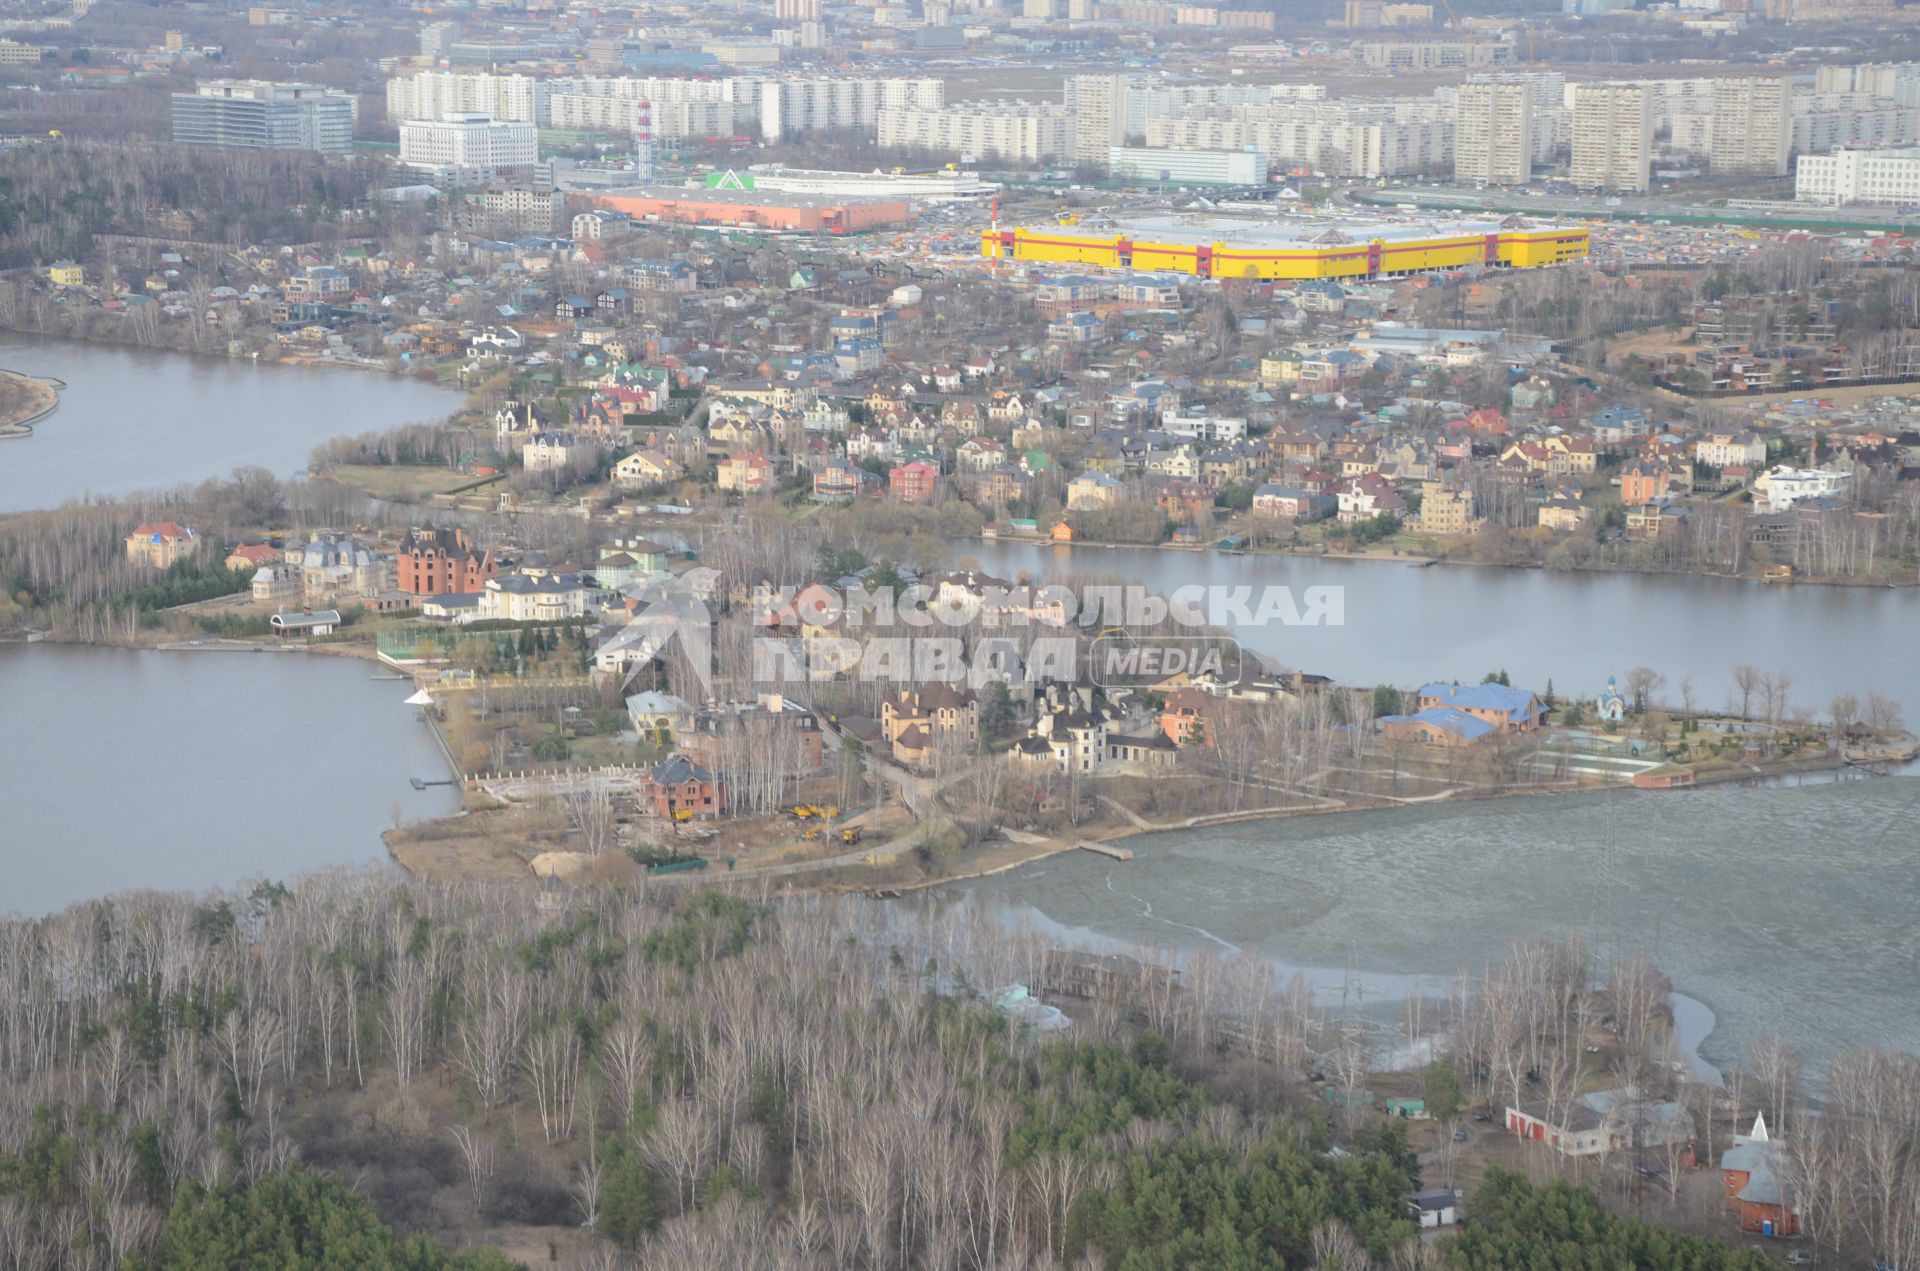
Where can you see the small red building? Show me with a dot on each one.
(1753, 1173)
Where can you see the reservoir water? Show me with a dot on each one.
(122, 770)
(1786, 908)
(1406, 625)
(145, 419)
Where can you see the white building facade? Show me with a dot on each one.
(466, 145)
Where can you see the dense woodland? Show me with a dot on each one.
(57, 196)
(717, 1080)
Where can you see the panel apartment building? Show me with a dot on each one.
(790, 106)
(1369, 139)
(437, 94)
(681, 107)
(257, 114)
(1493, 133)
(1099, 107)
(1031, 132)
(1612, 137)
(1752, 126)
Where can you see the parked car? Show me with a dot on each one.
(1460, 1135)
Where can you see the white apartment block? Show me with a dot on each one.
(1343, 139)
(792, 106)
(681, 107)
(1147, 101)
(1493, 133)
(1099, 107)
(1434, 55)
(1828, 121)
(1752, 126)
(1899, 81)
(672, 120)
(468, 144)
(437, 94)
(1612, 136)
(1031, 132)
(1889, 177)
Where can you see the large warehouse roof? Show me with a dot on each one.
(1284, 233)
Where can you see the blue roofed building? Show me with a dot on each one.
(1513, 710)
(1440, 726)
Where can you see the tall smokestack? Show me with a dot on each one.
(643, 142)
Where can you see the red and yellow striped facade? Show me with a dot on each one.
(1293, 259)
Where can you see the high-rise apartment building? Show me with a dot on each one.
(257, 114)
(1752, 126)
(1493, 133)
(1099, 107)
(1612, 137)
(436, 36)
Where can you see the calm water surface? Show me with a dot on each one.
(121, 770)
(1406, 625)
(146, 419)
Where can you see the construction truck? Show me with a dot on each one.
(850, 835)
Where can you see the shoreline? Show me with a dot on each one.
(252, 357)
(1414, 560)
(43, 398)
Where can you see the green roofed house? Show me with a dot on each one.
(1411, 1109)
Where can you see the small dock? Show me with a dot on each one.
(419, 783)
(1105, 849)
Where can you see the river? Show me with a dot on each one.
(146, 419)
(124, 770)
(1406, 625)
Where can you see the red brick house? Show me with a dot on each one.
(1644, 480)
(913, 482)
(1187, 717)
(442, 563)
(679, 789)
